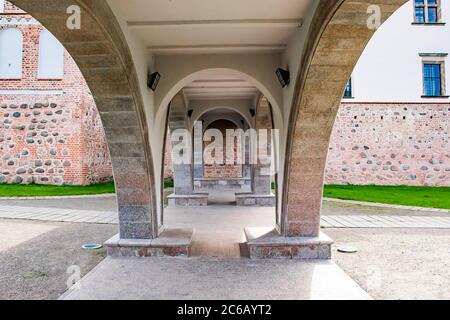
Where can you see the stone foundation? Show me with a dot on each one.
(255, 200)
(266, 243)
(171, 242)
(193, 200)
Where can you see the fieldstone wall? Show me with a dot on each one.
(385, 144)
(50, 129)
(390, 144)
(52, 142)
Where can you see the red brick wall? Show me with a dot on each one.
(53, 138)
(168, 165)
(222, 170)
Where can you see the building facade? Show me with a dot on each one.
(50, 129)
(393, 126)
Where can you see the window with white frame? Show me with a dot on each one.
(427, 11)
(51, 57)
(11, 53)
(433, 69)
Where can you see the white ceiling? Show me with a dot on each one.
(220, 87)
(211, 26)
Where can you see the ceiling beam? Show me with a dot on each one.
(239, 22)
(254, 46)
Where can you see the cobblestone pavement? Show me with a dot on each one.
(218, 232)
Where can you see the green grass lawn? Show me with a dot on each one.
(430, 197)
(33, 190)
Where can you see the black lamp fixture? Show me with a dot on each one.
(284, 77)
(190, 112)
(252, 112)
(153, 80)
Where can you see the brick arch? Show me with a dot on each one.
(337, 38)
(102, 54)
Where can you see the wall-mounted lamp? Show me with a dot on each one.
(153, 80)
(190, 112)
(284, 77)
(252, 112)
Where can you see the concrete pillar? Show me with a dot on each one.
(261, 193)
(114, 85)
(326, 68)
(198, 153)
(183, 173)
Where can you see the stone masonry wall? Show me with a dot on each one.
(390, 144)
(54, 137)
(387, 144)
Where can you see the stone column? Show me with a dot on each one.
(114, 85)
(261, 193)
(183, 173)
(198, 154)
(325, 69)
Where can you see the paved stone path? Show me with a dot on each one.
(382, 221)
(57, 214)
(328, 221)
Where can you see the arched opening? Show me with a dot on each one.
(328, 66)
(100, 51)
(215, 117)
(56, 180)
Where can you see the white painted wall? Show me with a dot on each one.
(51, 57)
(2, 6)
(390, 70)
(11, 52)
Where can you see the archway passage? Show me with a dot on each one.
(222, 179)
(337, 38)
(212, 119)
(102, 55)
(334, 34)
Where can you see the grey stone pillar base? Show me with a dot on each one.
(171, 242)
(239, 184)
(266, 243)
(255, 200)
(191, 200)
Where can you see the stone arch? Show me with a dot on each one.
(235, 110)
(337, 38)
(162, 99)
(102, 54)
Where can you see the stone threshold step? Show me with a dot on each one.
(171, 242)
